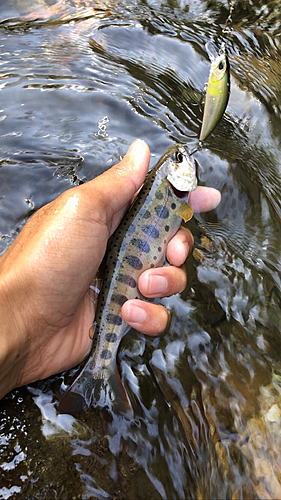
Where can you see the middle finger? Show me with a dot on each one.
(162, 281)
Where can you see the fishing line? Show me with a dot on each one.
(194, 151)
(227, 29)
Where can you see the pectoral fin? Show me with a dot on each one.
(185, 212)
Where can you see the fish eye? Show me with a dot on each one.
(178, 157)
(221, 65)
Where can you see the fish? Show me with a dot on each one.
(139, 243)
(217, 93)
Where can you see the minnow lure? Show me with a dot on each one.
(139, 243)
(217, 94)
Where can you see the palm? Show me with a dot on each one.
(66, 346)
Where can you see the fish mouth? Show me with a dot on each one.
(187, 150)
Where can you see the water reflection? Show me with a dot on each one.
(78, 83)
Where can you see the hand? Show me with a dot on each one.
(45, 308)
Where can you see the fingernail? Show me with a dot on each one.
(137, 148)
(156, 284)
(135, 314)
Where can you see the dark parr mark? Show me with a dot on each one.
(162, 211)
(159, 195)
(150, 231)
(141, 244)
(114, 319)
(146, 214)
(128, 280)
(106, 354)
(118, 298)
(134, 262)
(110, 337)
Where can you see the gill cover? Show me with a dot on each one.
(181, 170)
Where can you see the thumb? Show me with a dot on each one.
(121, 182)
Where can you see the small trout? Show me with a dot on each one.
(217, 94)
(139, 243)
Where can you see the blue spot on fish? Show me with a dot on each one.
(162, 211)
(119, 298)
(106, 354)
(114, 319)
(134, 262)
(150, 231)
(159, 195)
(110, 337)
(128, 280)
(146, 214)
(141, 244)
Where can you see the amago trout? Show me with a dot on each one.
(139, 243)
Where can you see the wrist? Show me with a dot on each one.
(11, 331)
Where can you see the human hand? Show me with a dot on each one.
(45, 275)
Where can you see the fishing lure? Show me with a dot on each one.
(218, 88)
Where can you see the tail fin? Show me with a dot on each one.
(100, 388)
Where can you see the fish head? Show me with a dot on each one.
(219, 67)
(181, 170)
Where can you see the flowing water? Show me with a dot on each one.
(79, 81)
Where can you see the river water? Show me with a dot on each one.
(79, 81)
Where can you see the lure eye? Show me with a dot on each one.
(221, 65)
(178, 157)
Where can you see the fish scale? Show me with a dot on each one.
(139, 243)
